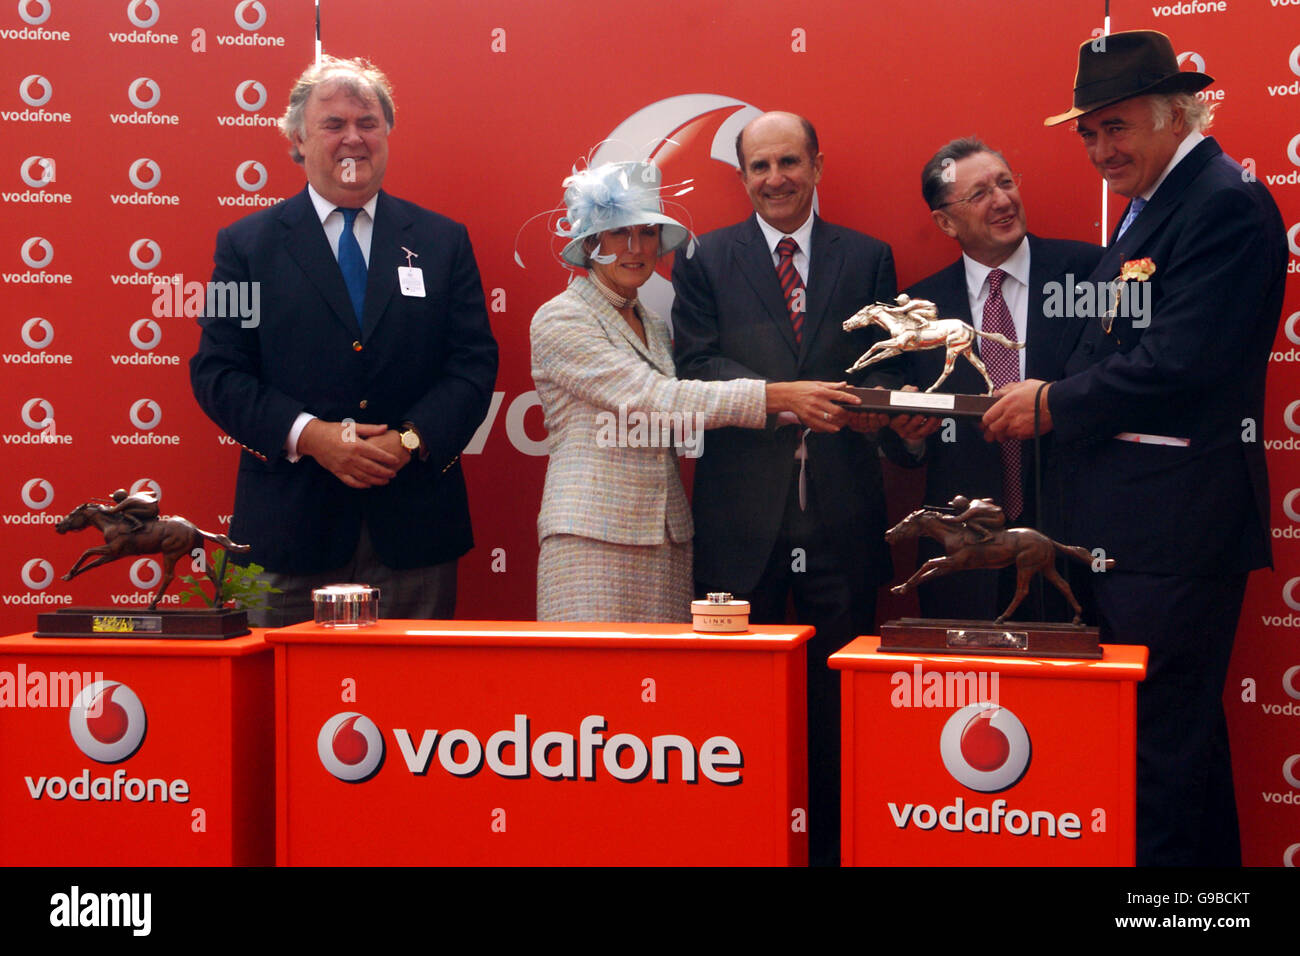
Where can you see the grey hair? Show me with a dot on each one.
(358, 78)
(1198, 113)
(935, 180)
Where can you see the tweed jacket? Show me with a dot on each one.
(613, 474)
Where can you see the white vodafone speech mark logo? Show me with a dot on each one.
(1289, 684)
(256, 101)
(1289, 770)
(146, 484)
(107, 721)
(1292, 240)
(1288, 594)
(144, 173)
(1294, 60)
(1292, 328)
(1288, 504)
(143, 407)
(143, 22)
(152, 90)
(140, 567)
(350, 747)
(37, 181)
(1288, 416)
(1293, 149)
(145, 334)
(37, 574)
(985, 747)
(35, 19)
(29, 413)
(259, 175)
(30, 497)
(37, 333)
(259, 12)
(1198, 61)
(1289, 854)
(138, 250)
(35, 99)
(47, 255)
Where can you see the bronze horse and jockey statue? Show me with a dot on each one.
(131, 525)
(975, 536)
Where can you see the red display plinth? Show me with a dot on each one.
(988, 761)
(136, 752)
(418, 742)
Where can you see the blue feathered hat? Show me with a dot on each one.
(612, 196)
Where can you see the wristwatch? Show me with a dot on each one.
(411, 439)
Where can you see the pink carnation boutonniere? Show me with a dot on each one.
(1136, 270)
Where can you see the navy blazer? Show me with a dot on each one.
(431, 361)
(967, 464)
(1195, 372)
(730, 321)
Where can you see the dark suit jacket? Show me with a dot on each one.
(1195, 372)
(968, 464)
(730, 321)
(431, 361)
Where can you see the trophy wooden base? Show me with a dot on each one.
(120, 622)
(914, 635)
(936, 404)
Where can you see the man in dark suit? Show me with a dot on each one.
(974, 198)
(796, 509)
(353, 388)
(1158, 418)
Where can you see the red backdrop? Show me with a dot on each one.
(496, 102)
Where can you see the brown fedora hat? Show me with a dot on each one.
(1124, 65)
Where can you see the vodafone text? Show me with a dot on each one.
(112, 789)
(559, 756)
(958, 818)
(75, 908)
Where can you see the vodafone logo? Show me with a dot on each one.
(250, 175)
(37, 574)
(1292, 328)
(107, 721)
(985, 747)
(350, 747)
(37, 259)
(1289, 854)
(145, 254)
(145, 415)
(1291, 682)
(1293, 150)
(250, 96)
(1198, 62)
(1289, 504)
(148, 19)
(144, 174)
(1292, 241)
(1288, 416)
(145, 573)
(34, 407)
(144, 93)
(37, 333)
(35, 19)
(40, 179)
(37, 494)
(1288, 594)
(146, 484)
(145, 335)
(1293, 61)
(250, 15)
(27, 89)
(1290, 772)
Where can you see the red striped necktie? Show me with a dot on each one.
(791, 285)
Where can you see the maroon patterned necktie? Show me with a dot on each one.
(1004, 367)
(791, 285)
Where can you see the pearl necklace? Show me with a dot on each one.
(609, 295)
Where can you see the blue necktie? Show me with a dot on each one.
(352, 263)
(1134, 208)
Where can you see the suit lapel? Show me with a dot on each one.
(1043, 335)
(826, 259)
(306, 243)
(618, 330)
(754, 260)
(387, 236)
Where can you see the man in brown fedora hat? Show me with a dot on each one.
(1157, 420)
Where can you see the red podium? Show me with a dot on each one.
(455, 743)
(136, 752)
(988, 761)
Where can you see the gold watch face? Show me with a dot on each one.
(410, 441)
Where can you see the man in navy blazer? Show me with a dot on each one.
(1158, 418)
(975, 199)
(353, 389)
(796, 509)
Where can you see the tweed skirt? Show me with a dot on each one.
(583, 579)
